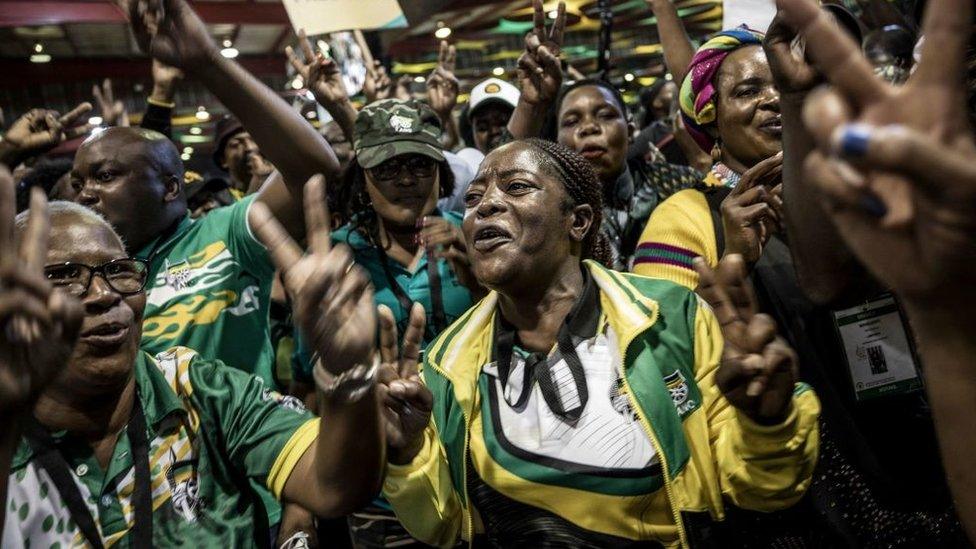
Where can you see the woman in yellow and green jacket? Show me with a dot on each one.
(580, 407)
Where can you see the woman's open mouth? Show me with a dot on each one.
(592, 152)
(772, 125)
(488, 238)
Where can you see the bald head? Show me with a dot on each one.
(134, 178)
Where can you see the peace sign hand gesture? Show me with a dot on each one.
(407, 402)
(758, 369)
(321, 75)
(895, 163)
(442, 84)
(39, 324)
(539, 70)
(377, 85)
(113, 110)
(40, 130)
(333, 298)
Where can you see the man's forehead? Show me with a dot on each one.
(76, 238)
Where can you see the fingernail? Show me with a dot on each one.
(852, 140)
(873, 205)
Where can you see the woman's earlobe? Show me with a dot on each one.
(582, 221)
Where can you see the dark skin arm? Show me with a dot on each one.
(284, 137)
(675, 43)
(827, 271)
(916, 159)
(333, 306)
(540, 73)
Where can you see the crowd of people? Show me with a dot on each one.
(731, 315)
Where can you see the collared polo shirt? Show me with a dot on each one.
(212, 431)
(209, 290)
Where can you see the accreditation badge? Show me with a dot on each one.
(879, 351)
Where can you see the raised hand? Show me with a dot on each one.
(895, 162)
(332, 296)
(322, 75)
(791, 71)
(113, 110)
(539, 70)
(403, 87)
(40, 130)
(39, 324)
(407, 402)
(260, 169)
(447, 242)
(442, 84)
(170, 31)
(758, 369)
(165, 79)
(377, 85)
(749, 217)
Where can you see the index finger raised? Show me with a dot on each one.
(388, 334)
(559, 27)
(284, 251)
(33, 246)
(317, 223)
(710, 289)
(412, 340)
(947, 26)
(67, 119)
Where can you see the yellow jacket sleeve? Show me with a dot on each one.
(679, 230)
(762, 468)
(423, 496)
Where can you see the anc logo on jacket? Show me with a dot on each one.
(680, 393)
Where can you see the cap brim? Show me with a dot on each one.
(491, 100)
(370, 157)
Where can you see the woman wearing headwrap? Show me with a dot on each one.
(730, 106)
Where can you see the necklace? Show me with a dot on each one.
(725, 175)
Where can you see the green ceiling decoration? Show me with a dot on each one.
(506, 26)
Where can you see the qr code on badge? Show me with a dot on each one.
(876, 359)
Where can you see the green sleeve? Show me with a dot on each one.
(253, 423)
(242, 242)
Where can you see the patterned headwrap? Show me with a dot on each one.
(697, 95)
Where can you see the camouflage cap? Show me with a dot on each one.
(392, 127)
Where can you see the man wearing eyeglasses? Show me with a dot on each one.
(106, 445)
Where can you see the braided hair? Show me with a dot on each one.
(583, 187)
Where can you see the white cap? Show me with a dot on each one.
(492, 89)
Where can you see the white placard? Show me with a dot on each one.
(756, 14)
(323, 16)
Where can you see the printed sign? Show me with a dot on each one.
(324, 16)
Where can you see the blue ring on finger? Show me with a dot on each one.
(854, 140)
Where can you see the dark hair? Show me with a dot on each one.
(551, 127)
(357, 206)
(583, 187)
(45, 175)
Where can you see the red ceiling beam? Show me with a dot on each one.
(24, 13)
(71, 70)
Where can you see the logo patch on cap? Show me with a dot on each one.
(401, 124)
(493, 88)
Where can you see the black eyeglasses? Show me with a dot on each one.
(419, 166)
(126, 276)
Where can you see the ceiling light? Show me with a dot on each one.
(185, 157)
(553, 14)
(310, 114)
(228, 43)
(195, 130)
(442, 32)
(229, 53)
(95, 121)
(498, 71)
(629, 77)
(668, 77)
(297, 83)
(309, 95)
(40, 58)
(323, 46)
(187, 150)
(419, 79)
(38, 47)
(202, 114)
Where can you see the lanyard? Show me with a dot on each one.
(51, 460)
(580, 324)
(433, 279)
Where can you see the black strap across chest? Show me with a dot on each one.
(51, 460)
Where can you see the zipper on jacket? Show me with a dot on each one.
(660, 452)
